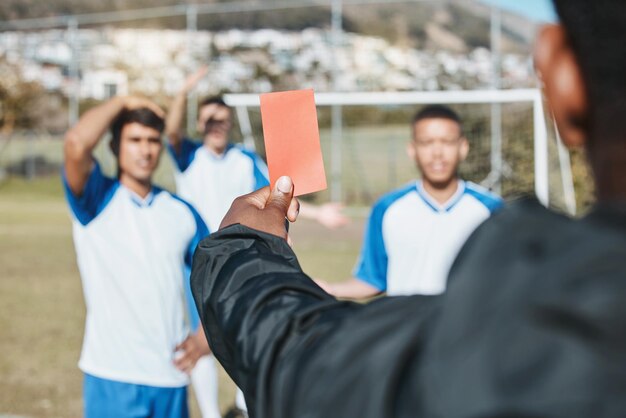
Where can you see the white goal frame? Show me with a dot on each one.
(241, 103)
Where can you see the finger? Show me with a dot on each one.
(183, 346)
(140, 102)
(197, 76)
(294, 210)
(210, 110)
(259, 197)
(183, 363)
(280, 198)
(156, 109)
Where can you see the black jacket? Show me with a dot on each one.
(533, 324)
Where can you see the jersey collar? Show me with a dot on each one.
(142, 202)
(222, 156)
(436, 206)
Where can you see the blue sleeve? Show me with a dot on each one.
(372, 265)
(201, 232)
(194, 318)
(97, 194)
(187, 153)
(492, 202)
(261, 175)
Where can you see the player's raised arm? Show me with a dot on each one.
(83, 137)
(174, 120)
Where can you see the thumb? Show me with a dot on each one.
(281, 195)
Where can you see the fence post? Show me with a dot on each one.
(496, 108)
(192, 97)
(336, 115)
(73, 111)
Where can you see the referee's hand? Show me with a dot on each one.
(265, 210)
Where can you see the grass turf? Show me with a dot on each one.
(42, 315)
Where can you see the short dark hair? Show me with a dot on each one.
(217, 100)
(596, 32)
(143, 116)
(437, 112)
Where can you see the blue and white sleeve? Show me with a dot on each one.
(96, 195)
(372, 265)
(202, 231)
(491, 201)
(184, 158)
(260, 171)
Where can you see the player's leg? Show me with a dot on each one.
(105, 398)
(204, 379)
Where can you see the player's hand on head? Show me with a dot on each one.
(193, 79)
(136, 102)
(265, 210)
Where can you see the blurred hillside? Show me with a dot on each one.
(455, 25)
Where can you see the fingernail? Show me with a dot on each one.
(284, 184)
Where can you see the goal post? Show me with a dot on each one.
(541, 146)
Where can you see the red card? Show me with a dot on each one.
(292, 139)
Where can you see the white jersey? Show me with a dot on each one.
(411, 241)
(211, 182)
(132, 254)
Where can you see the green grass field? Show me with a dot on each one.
(42, 314)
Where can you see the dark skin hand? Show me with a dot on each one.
(265, 210)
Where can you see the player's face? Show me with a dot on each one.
(140, 150)
(214, 121)
(438, 147)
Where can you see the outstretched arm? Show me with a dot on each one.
(83, 137)
(174, 120)
(293, 349)
(329, 214)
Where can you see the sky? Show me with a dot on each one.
(538, 10)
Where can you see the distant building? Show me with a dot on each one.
(103, 84)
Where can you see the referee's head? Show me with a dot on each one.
(582, 65)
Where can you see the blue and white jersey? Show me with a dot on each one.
(211, 182)
(411, 241)
(132, 254)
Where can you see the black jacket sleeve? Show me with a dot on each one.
(294, 350)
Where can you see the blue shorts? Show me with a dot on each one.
(111, 399)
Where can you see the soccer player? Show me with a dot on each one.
(414, 233)
(133, 241)
(210, 174)
(532, 321)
